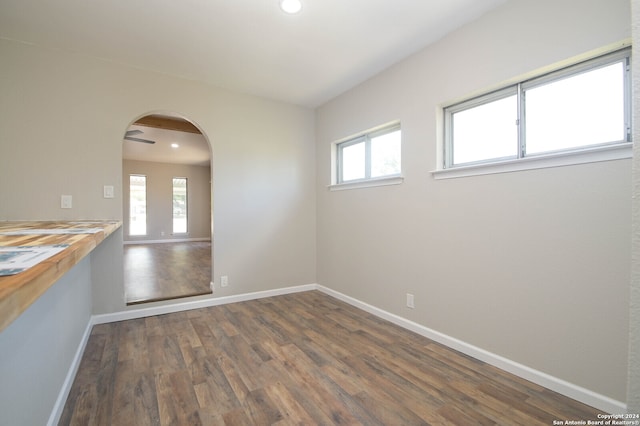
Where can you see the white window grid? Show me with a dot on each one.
(519, 89)
(366, 139)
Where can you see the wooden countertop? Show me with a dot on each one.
(18, 292)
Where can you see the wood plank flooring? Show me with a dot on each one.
(165, 271)
(301, 359)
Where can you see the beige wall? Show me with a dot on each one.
(633, 388)
(533, 265)
(159, 196)
(62, 118)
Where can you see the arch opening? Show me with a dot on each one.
(167, 209)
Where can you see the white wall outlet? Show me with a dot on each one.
(224, 281)
(211, 286)
(107, 191)
(66, 201)
(410, 303)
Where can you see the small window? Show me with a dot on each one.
(486, 131)
(373, 155)
(137, 205)
(179, 205)
(577, 108)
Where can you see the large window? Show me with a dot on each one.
(137, 205)
(179, 205)
(581, 107)
(371, 155)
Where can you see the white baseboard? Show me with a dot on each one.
(196, 304)
(171, 240)
(58, 407)
(563, 387)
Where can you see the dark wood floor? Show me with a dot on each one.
(304, 358)
(165, 271)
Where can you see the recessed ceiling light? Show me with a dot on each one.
(291, 6)
(174, 145)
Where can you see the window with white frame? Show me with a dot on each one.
(137, 205)
(179, 201)
(574, 109)
(372, 155)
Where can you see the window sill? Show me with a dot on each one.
(383, 181)
(594, 155)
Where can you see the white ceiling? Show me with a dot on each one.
(249, 46)
(193, 148)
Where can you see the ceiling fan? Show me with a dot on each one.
(130, 133)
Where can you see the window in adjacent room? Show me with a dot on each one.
(578, 108)
(372, 155)
(179, 205)
(137, 205)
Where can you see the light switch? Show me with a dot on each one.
(66, 201)
(108, 191)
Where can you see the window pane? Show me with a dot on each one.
(486, 132)
(353, 162)
(179, 205)
(385, 154)
(137, 205)
(580, 110)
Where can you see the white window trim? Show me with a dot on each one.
(186, 181)
(579, 155)
(336, 185)
(557, 159)
(368, 183)
(146, 202)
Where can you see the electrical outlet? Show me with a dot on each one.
(66, 201)
(410, 303)
(224, 281)
(107, 191)
(211, 286)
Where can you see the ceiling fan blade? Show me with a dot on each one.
(139, 140)
(132, 132)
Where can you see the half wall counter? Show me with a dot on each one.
(34, 255)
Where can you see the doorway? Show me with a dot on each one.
(167, 210)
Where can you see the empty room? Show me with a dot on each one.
(408, 212)
(166, 168)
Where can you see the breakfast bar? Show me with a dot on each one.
(73, 239)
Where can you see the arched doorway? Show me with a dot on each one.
(167, 209)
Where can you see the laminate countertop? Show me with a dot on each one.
(19, 291)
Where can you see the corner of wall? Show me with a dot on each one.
(633, 376)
